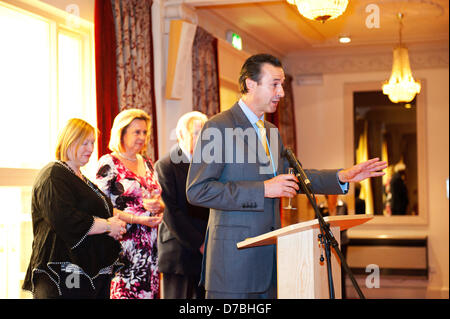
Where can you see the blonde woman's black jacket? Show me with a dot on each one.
(63, 209)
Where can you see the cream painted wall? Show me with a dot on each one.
(319, 112)
(230, 61)
(168, 111)
(438, 170)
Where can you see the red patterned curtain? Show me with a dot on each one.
(135, 85)
(284, 117)
(105, 69)
(205, 73)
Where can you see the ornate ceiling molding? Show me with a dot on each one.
(357, 61)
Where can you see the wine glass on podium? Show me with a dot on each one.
(290, 170)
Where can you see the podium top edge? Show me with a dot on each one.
(343, 221)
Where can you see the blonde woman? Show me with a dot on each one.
(75, 248)
(128, 178)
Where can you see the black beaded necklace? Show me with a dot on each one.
(88, 183)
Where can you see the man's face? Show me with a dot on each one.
(267, 93)
(190, 135)
(195, 126)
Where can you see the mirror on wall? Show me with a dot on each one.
(389, 131)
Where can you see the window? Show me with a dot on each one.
(46, 78)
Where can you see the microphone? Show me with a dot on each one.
(298, 168)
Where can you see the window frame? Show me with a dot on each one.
(60, 22)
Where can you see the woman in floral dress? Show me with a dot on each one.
(128, 178)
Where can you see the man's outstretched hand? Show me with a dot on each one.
(361, 171)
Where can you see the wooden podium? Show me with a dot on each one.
(300, 273)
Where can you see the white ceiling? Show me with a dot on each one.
(279, 26)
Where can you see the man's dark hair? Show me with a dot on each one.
(252, 69)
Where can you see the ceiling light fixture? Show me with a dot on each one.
(401, 86)
(320, 10)
(344, 39)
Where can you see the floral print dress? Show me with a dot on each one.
(139, 278)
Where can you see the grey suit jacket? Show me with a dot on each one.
(227, 175)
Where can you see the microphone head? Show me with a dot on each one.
(289, 154)
(286, 152)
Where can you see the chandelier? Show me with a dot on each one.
(401, 86)
(320, 10)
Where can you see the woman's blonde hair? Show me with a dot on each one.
(75, 132)
(120, 125)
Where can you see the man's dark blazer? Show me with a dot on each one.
(182, 231)
(234, 190)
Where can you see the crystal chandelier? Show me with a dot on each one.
(401, 86)
(320, 10)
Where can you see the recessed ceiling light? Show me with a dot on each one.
(345, 39)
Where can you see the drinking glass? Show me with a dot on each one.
(151, 196)
(290, 170)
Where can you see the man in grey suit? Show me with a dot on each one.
(238, 172)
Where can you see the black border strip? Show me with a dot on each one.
(388, 242)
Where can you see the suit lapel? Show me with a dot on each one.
(239, 117)
(241, 121)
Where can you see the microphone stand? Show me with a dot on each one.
(327, 238)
